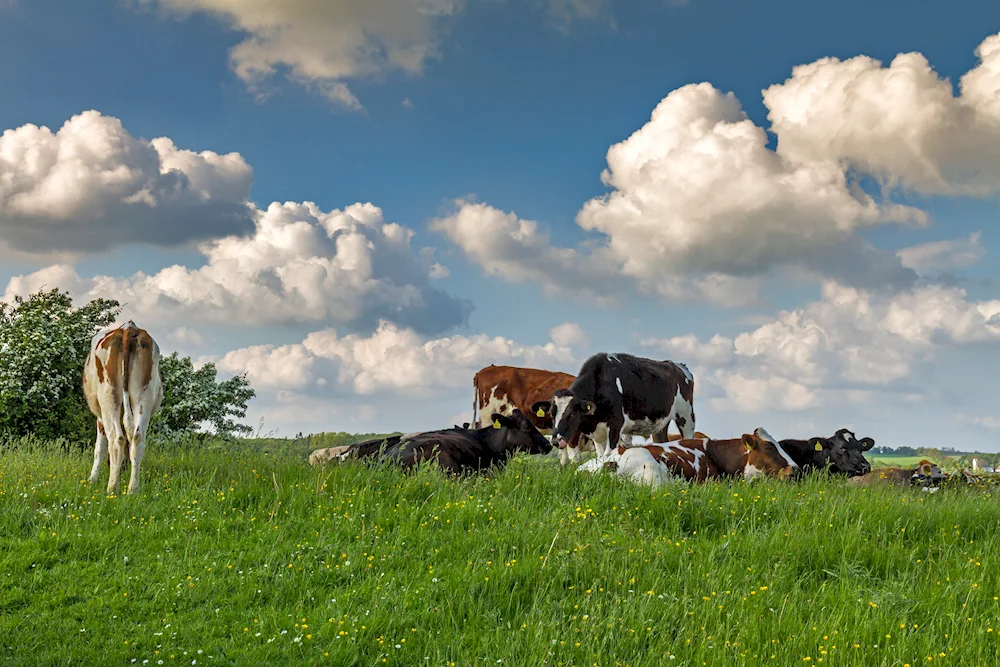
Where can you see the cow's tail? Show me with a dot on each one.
(475, 401)
(128, 341)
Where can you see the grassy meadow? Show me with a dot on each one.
(244, 556)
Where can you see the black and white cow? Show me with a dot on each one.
(616, 396)
(841, 454)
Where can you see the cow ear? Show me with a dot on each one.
(818, 446)
(541, 408)
(749, 442)
(866, 444)
(499, 420)
(589, 407)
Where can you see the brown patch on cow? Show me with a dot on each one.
(100, 427)
(681, 462)
(128, 343)
(522, 387)
(680, 421)
(100, 369)
(655, 450)
(145, 342)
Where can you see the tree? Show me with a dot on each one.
(192, 398)
(44, 343)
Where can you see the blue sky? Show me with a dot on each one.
(513, 105)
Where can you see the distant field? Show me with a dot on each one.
(884, 460)
(248, 557)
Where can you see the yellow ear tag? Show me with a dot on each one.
(590, 408)
(496, 424)
(819, 447)
(747, 445)
(540, 413)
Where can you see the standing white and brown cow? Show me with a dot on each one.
(121, 380)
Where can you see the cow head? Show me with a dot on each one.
(927, 474)
(569, 414)
(766, 457)
(847, 453)
(518, 434)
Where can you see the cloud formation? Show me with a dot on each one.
(850, 340)
(301, 264)
(392, 360)
(325, 44)
(939, 256)
(902, 123)
(91, 185)
(700, 207)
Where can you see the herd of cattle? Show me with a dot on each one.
(613, 398)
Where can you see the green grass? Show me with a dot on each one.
(249, 557)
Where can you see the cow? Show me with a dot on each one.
(755, 454)
(502, 389)
(456, 450)
(841, 454)
(925, 474)
(616, 396)
(121, 381)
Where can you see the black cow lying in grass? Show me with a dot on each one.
(842, 454)
(456, 450)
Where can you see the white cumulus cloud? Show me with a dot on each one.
(850, 341)
(91, 185)
(392, 359)
(902, 122)
(947, 255)
(699, 208)
(568, 334)
(325, 44)
(302, 264)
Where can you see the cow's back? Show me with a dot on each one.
(884, 476)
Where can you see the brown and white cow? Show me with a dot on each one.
(755, 454)
(503, 389)
(121, 380)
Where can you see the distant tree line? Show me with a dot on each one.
(919, 451)
(44, 342)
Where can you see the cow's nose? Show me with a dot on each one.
(558, 441)
(790, 473)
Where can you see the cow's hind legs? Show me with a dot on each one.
(137, 449)
(100, 452)
(116, 455)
